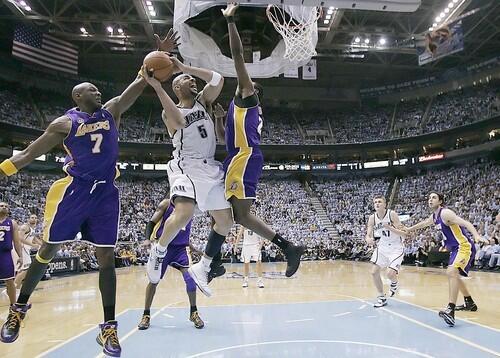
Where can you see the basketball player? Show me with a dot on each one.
(9, 238)
(251, 250)
(243, 165)
(85, 201)
(177, 257)
(29, 241)
(389, 251)
(195, 177)
(457, 238)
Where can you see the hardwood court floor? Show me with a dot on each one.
(65, 307)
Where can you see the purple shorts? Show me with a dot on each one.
(462, 257)
(242, 173)
(92, 208)
(6, 265)
(176, 257)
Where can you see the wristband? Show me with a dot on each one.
(230, 19)
(216, 78)
(8, 167)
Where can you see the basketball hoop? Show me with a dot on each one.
(297, 30)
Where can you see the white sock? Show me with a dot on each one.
(205, 261)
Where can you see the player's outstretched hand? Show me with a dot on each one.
(219, 111)
(230, 10)
(148, 75)
(169, 43)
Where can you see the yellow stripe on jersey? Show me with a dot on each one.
(155, 230)
(464, 250)
(52, 201)
(234, 183)
(459, 235)
(240, 135)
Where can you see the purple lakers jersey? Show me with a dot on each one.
(243, 127)
(92, 145)
(454, 235)
(182, 238)
(6, 234)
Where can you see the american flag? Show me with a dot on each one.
(33, 46)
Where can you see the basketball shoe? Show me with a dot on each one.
(108, 339)
(293, 254)
(145, 322)
(260, 283)
(195, 318)
(448, 315)
(245, 282)
(381, 302)
(11, 327)
(153, 266)
(200, 272)
(469, 305)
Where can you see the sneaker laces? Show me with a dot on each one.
(145, 319)
(110, 332)
(13, 319)
(195, 317)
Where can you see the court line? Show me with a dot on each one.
(102, 355)
(310, 341)
(74, 337)
(460, 339)
(341, 314)
(299, 320)
(458, 319)
(248, 322)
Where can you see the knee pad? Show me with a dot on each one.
(190, 284)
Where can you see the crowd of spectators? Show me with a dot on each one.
(282, 125)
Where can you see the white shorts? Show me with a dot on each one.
(201, 180)
(251, 252)
(26, 260)
(388, 257)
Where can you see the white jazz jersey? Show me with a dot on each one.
(27, 249)
(194, 173)
(251, 247)
(387, 237)
(197, 139)
(250, 238)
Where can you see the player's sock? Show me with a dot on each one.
(280, 242)
(109, 313)
(35, 273)
(107, 286)
(468, 299)
(214, 243)
(147, 313)
(194, 309)
(160, 249)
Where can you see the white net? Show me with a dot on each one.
(298, 29)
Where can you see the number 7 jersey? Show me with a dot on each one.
(197, 139)
(92, 145)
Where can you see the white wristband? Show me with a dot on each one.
(216, 78)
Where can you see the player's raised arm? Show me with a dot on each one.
(220, 129)
(369, 230)
(53, 135)
(245, 84)
(421, 225)
(214, 81)
(450, 218)
(120, 104)
(396, 226)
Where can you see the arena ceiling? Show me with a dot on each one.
(341, 63)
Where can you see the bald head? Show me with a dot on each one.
(86, 95)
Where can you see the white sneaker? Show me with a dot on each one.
(200, 276)
(260, 283)
(153, 266)
(381, 302)
(245, 282)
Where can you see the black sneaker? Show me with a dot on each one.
(448, 315)
(216, 270)
(293, 254)
(145, 322)
(11, 327)
(467, 306)
(195, 318)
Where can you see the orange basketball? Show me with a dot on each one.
(161, 64)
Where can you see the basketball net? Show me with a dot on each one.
(297, 31)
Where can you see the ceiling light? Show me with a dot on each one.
(367, 41)
(22, 3)
(442, 14)
(120, 30)
(329, 12)
(152, 13)
(151, 8)
(27, 8)
(438, 19)
(431, 28)
(149, 3)
(328, 17)
(82, 29)
(434, 25)
(357, 40)
(326, 22)
(446, 10)
(331, 8)
(382, 41)
(110, 29)
(455, 1)
(451, 4)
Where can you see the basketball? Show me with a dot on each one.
(161, 64)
